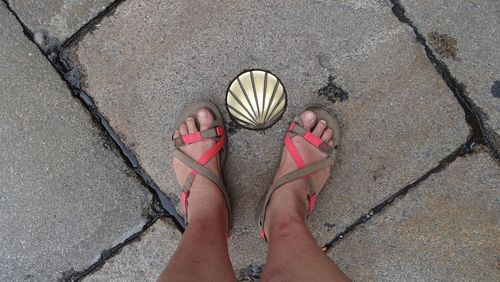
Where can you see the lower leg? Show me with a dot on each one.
(293, 254)
(202, 254)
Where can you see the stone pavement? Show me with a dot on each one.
(65, 193)
(419, 118)
(446, 229)
(468, 45)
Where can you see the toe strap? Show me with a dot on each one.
(210, 133)
(297, 129)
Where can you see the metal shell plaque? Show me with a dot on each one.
(256, 99)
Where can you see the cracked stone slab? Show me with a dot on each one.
(445, 229)
(143, 259)
(65, 194)
(148, 61)
(58, 19)
(465, 35)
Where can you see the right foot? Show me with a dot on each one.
(289, 203)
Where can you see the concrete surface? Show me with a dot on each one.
(445, 229)
(65, 195)
(143, 259)
(57, 18)
(149, 60)
(466, 37)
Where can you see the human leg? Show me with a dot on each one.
(202, 254)
(293, 254)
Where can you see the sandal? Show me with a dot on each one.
(297, 129)
(215, 131)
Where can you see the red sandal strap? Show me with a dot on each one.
(207, 156)
(292, 149)
(296, 128)
(191, 138)
(299, 161)
(313, 139)
(312, 202)
(214, 150)
(184, 201)
(198, 136)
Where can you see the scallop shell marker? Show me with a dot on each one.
(256, 99)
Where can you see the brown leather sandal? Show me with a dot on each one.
(215, 131)
(297, 129)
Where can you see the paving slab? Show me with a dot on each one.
(149, 60)
(445, 229)
(54, 21)
(465, 35)
(65, 194)
(143, 259)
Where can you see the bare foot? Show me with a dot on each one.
(289, 203)
(205, 201)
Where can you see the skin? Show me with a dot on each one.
(293, 254)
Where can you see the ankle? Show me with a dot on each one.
(212, 210)
(209, 221)
(284, 225)
(288, 206)
(207, 205)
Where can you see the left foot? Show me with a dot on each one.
(205, 198)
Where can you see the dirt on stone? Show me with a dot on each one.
(332, 91)
(444, 44)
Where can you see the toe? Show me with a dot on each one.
(176, 134)
(331, 143)
(327, 135)
(309, 119)
(320, 128)
(191, 125)
(205, 118)
(183, 129)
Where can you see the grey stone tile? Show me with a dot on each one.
(56, 18)
(465, 35)
(65, 194)
(143, 259)
(445, 229)
(148, 61)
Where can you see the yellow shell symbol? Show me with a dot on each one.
(256, 99)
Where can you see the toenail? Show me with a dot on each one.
(322, 122)
(189, 119)
(309, 115)
(202, 114)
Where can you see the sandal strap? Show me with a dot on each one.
(198, 166)
(198, 169)
(297, 129)
(302, 171)
(210, 133)
(289, 177)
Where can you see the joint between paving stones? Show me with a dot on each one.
(73, 275)
(27, 32)
(473, 114)
(59, 59)
(91, 25)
